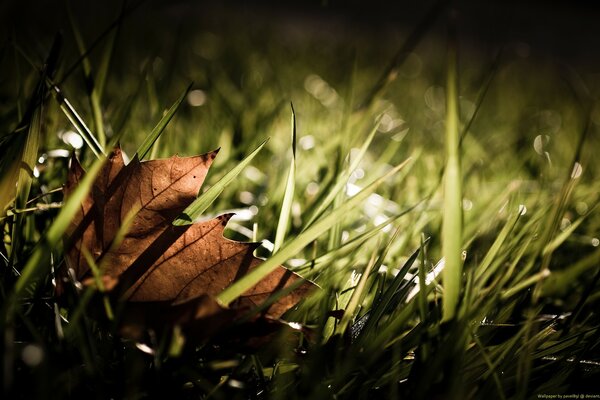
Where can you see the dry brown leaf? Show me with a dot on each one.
(166, 274)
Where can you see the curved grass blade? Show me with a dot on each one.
(343, 178)
(91, 88)
(197, 208)
(294, 246)
(288, 197)
(37, 262)
(145, 147)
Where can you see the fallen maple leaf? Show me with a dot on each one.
(164, 274)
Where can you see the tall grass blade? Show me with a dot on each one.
(93, 94)
(452, 211)
(342, 179)
(288, 197)
(356, 296)
(201, 204)
(294, 246)
(77, 122)
(145, 147)
(391, 71)
(38, 261)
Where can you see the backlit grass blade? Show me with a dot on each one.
(296, 245)
(197, 208)
(564, 235)
(342, 179)
(391, 71)
(145, 147)
(109, 49)
(27, 145)
(77, 122)
(484, 270)
(38, 261)
(356, 296)
(452, 211)
(92, 91)
(288, 197)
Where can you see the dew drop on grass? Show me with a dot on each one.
(467, 204)
(72, 138)
(522, 209)
(577, 170)
(595, 242)
(565, 224)
(539, 144)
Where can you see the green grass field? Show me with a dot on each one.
(441, 195)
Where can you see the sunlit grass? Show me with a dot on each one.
(450, 219)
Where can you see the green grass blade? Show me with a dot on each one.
(356, 296)
(564, 235)
(484, 271)
(452, 212)
(201, 204)
(145, 147)
(37, 262)
(288, 197)
(294, 246)
(343, 178)
(77, 122)
(93, 95)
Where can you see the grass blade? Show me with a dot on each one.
(37, 260)
(343, 178)
(77, 122)
(288, 197)
(452, 212)
(295, 246)
(195, 210)
(145, 147)
(88, 74)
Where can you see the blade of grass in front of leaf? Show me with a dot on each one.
(145, 147)
(288, 197)
(294, 246)
(36, 263)
(97, 274)
(342, 179)
(98, 267)
(452, 211)
(201, 204)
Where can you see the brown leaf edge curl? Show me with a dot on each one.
(163, 274)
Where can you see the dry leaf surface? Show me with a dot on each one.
(165, 274)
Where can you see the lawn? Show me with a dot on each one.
(428, 172)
